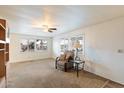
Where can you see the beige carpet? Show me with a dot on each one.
(42, 74)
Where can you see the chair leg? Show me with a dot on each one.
(55, 65)
(65, 67)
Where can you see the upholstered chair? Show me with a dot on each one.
(63, 61)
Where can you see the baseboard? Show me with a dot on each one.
(31, 60)
(104, 77)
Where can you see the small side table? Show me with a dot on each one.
(76, 65)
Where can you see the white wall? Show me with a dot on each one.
(17, 56)
(102, 42)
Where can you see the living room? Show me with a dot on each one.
(38, 34)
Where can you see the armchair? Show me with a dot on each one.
(63, 62)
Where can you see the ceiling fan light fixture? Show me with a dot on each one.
(47, 29)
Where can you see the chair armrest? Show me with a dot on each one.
(57, 59)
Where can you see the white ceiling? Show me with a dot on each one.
(29, 19)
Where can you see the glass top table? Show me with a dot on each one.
(77, 64)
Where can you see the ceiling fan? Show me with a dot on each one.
(49, 29)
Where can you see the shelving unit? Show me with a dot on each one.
(4, 50)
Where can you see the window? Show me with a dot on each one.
(64, 45)
(68, 44)
(80, 40)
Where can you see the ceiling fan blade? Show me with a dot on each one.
(52, 29)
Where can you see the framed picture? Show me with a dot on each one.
(31, 45)
(39, 44)
(24, 45)
(44, 47)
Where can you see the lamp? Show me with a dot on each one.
(77, 45)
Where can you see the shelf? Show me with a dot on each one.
(2, 27)
(2, 49)
(3, 42)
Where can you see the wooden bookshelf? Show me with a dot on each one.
(4, 49)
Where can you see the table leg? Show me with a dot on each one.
(77, 70)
